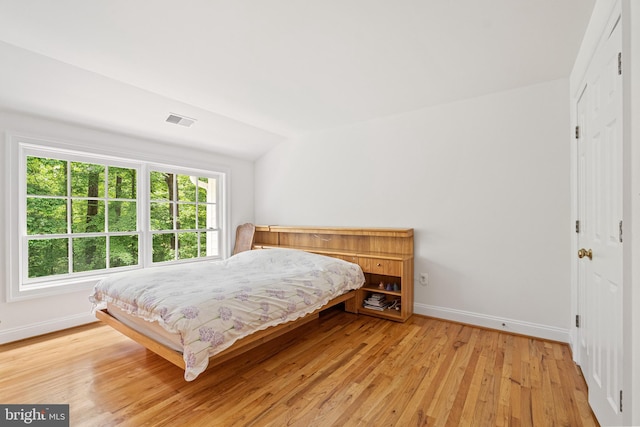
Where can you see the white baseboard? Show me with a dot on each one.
(482, 320)
(42, 328)
(573, 342)
(494, 322)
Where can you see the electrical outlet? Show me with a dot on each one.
(424, 279)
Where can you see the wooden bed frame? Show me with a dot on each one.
(383, 240)
(239, 347)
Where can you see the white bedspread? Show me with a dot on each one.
(213, 304)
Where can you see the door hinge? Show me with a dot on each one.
(577, 320)
(619, 63)
(577, 132)
(577, 226)
(621, 401)
(621, 231)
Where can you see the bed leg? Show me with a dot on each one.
(350, 306)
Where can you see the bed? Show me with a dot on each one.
(199, 314)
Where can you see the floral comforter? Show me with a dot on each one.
(213, 304)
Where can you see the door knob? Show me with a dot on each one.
(585, 253)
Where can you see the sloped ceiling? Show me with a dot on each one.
(254, 72)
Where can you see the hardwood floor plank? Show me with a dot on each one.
(515, 400)
(460, 352)
(484, 404)
(469, 395)
(343, 369)
(503, 415)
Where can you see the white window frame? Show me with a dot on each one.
(20, 287)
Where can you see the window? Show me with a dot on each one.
(183, 216)
(81, 216)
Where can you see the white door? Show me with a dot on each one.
(583, 322)
(600, 237)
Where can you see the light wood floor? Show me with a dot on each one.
(344, 370)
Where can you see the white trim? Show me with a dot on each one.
(11, 216)
(631, 182)
(41, 328)
(494, 322)
(225, 221)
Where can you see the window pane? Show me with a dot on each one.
(187, 245)
(202, 216)
(48, 257)
(46, 177)
(89, 253)
(186, 217)
(186, 189)
(163, 247)
(122, 216)
(87, 180)
(209, 244)
(203, 244)
(87, 216)
(161, 186)
(161, 216)
(122, 183)
(123, 251)
(46, 216)
(207, 216)
(207, 190)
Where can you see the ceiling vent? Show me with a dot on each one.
(180, 120)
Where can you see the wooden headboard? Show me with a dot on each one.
(384, 254)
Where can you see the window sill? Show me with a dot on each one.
(58, 287)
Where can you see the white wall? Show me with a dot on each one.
(484, 183)
(36, 316)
